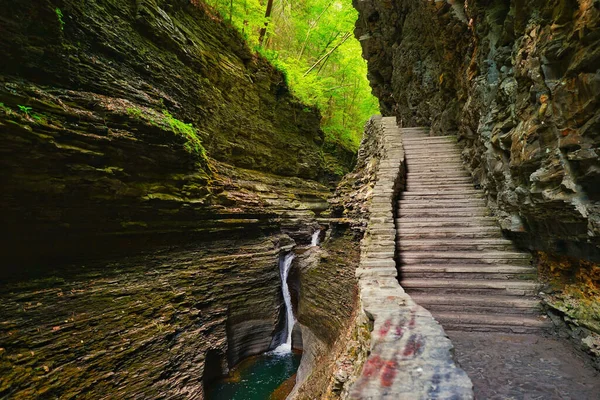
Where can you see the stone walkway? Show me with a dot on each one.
(410, 356)
(508, 366)
(457, 267)
(454, 260)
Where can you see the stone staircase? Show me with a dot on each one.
(453, 258)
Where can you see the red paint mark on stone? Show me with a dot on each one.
(411, 323)
(413, 346)
(399, 331)
(385, 327)
(389, 373)
(372, 366)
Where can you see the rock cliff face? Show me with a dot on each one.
(93, 110)
(518, 83)
(136, 258)
(335, 331)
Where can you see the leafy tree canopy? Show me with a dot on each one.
(311, 41)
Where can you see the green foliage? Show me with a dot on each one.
(24, 109)
(59, 17)
(193, 142)
(40, 119)
(311, 42)
(134, 112)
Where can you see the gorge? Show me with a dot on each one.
(174, 214)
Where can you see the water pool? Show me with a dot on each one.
(263, 377)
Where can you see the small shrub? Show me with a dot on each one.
(59, 16)
(24, 109)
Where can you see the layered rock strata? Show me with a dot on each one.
(139, 261)
(410, 355)
(335, 343)
(97, 107)
(142, 326)
(518, 83)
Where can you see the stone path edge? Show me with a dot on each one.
(410, 354)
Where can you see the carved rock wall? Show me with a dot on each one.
(518, 83)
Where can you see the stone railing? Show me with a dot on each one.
(410, 355)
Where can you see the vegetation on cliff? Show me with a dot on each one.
(312, 43)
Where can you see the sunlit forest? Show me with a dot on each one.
(312, 43)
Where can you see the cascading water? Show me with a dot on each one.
(284, 270)
(315, 238)
(262, 376)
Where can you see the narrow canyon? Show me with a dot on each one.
(178, 219)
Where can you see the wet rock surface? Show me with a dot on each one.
(517, 82)
(504, 366)
(141, 326)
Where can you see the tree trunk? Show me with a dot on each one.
(263, 30)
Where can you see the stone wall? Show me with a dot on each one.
(518, 82)
(410, 355)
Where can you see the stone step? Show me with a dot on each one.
(412, 139)
(461, 187)
(416, 222)
(441, 204)
(423, 166)
(466, 272)
(470, 287)
(424, 159)
(439, 180)
(442, 195)
(478, 257)
(438, 146)
(440, 213)
(429, 187)
(449, 232)
(428, 174)
(491, 323)
(496, 304)
(414, 164)
(478, 244)
(439, 259)
(433, 152)
(446, 230)
(444, 182)
(433, 171)
(447, 210)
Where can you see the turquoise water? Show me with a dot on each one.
(256, 378)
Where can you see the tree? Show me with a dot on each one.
(263, 30)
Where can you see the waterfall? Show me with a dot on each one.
(315, 238)
(284, 270)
